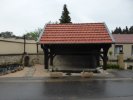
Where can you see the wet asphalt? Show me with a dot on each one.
(118, 87)
(40, 89)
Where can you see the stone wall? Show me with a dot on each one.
(74, 61)
(11, 50)
(10, 58)
(18, 57)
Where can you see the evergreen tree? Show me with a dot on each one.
(131, 30)
(119, 31)
(126, 30)
(116, 31)
(65, 18)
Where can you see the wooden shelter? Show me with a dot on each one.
(92, 39)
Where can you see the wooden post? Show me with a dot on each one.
(24, 44)
(46, 56)
(105, 61)
(105, 57)
(51, 56)
(51, 60)
(98, 60)
(98, 56)
(37, 48)
(46, 61)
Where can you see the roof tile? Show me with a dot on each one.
(123, 38)
(76, 33)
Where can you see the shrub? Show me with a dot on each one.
(113, 66)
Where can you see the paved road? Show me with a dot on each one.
(40, 89)
(122, 73)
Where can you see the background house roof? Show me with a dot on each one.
(75, 33)
(123, 38)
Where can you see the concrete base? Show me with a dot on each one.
(56, 74)
(86, 74)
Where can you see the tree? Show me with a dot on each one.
(33, 35)
(7, 34)
(36, 33)
(123, 31)
(126, 30)
(65, 18)
(131, 30)
(117, 30)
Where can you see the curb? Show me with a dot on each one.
(64, 79)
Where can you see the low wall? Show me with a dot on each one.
(11, 50)
(11, 58)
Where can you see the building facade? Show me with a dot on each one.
(123, 43)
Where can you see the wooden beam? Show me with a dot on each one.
(77, 53)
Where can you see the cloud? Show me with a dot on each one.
(20, 16)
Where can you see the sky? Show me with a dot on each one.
(22, 16)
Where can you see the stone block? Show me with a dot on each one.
(86, 74)
(56, 74)
(121, 60)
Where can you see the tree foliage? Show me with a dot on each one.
(7, 34)
(65, 18)
(126, 30)
(131, 29)
(34, 35)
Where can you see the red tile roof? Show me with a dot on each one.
(75, 33)
(123, 38)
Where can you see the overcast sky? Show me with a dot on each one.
(21, 16)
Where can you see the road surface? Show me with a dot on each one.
(39, 89)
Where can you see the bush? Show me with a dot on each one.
(113, 66)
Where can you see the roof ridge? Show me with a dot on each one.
(76, 23)
(122, 34)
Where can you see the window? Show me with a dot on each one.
(132, 50)
(118, 49)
